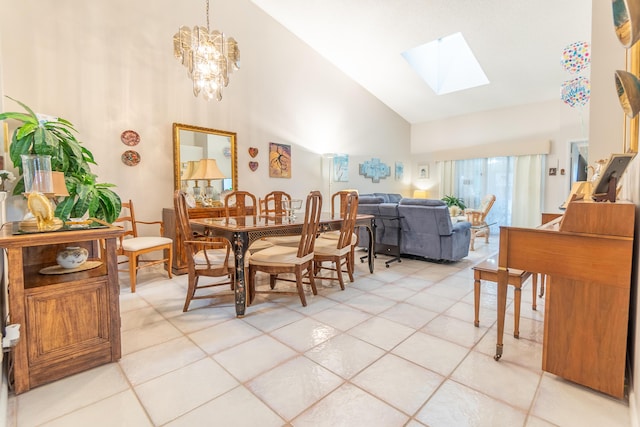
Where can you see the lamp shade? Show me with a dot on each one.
(628, 89)
(188, 171)
(626, 20)
(207, 169)
(420, 194)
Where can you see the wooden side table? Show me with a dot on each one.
(69, 322)
(488, 270)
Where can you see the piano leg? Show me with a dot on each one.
(503, 279)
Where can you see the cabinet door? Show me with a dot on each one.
(68, 328)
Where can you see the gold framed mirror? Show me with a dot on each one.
(196, 152)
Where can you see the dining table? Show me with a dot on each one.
(242, 231)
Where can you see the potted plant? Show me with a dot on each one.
(456, 205)
(55, 137)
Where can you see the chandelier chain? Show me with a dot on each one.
(208, 30)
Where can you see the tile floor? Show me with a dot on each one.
(396, 348)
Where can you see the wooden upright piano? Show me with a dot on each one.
(587, 253)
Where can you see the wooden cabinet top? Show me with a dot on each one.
(10, 240)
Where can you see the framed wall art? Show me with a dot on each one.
(341, 168)
(374, 169)
(399, 171)
(279, 160)
(423, 171)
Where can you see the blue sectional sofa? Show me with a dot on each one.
(424, 225)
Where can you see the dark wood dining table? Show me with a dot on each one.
(242, 231)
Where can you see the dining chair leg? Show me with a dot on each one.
(349, 270)
(338, 267)
(251, 283)
(133, 271)
(299, 286)
(191, 290)
(312, 280)
(167, 263)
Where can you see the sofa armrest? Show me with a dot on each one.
(461, 226)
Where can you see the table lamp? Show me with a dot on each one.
(207, 169)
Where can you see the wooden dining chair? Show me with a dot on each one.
(340, 251)
(271, 204)
(133, 246)
(206, 256)
(243, 202)
(339, 204)
(280, 259)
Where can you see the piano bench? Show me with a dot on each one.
(488, 270)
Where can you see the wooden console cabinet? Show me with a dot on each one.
(179, 262)
(69, 322)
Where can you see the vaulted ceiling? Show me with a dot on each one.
(519, 44)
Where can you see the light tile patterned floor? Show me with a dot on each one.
(396, 348)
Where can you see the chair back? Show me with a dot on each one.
(311, 221)
(272, 203)
(182, 215)
(340, 197)
(128, 222)
(348, 220)
(242, 207)
(486, 204)
(478, 216)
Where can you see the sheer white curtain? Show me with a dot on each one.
(476, 178)
(527, 191)
(447, 171)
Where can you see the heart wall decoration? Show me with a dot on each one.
(253, 152)
(253, 166)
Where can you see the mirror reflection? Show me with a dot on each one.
(205, 162)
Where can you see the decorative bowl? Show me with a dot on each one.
(72, 257)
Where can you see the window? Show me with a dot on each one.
(476, 178)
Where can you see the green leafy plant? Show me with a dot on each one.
(454, 201)
(54, 136)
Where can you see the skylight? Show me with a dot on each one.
(447, 64)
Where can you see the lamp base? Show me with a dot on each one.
(31, 225)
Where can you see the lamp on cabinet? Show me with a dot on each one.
(207, 169)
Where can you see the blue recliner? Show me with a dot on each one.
(427, 230)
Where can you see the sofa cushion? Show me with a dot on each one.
(422, 202)
(370, 200)
(389, 197)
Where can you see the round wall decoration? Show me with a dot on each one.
(130, 158)
(130, 137)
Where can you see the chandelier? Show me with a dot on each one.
(209, 57)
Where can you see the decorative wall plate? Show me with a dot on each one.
(253, 166)
(130, 137)
(253, 151)
(130, 158)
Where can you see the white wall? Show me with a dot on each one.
(109, 66)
